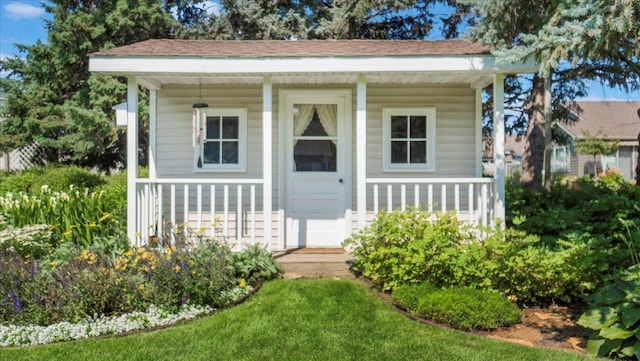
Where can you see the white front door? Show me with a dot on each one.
(317, 167)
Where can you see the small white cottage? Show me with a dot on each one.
(300, 143)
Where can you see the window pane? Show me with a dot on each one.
(315, 156)
(399, 152)
(418, 152)
(213, 127)
(230, 152)
(418, 126)
(398, 126)
(212, 153)
(230, 128)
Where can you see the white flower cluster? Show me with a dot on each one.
(39, 335)
(34, 236)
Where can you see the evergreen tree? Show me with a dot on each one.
(587, 33)
(57, 102)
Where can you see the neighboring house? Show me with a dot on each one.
(300, 143)
(618, 120)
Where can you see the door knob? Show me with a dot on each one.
(340, 180)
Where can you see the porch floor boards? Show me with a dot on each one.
(314, 263)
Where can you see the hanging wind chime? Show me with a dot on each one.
(198, 122)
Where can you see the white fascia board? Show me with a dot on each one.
(221, 66)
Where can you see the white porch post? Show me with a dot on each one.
(498, 146)
(479, 147)
(152, 134)
(267, 170)
(361, 151)
(132, 157)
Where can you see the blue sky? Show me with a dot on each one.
(23, 22)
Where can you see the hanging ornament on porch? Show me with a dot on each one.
(198, 120)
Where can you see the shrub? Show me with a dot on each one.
(408, 247)
(255, 264)
(57, 178)
(463, 308)
(408, 296)
(613, 318)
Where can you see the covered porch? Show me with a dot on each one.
(258, 207)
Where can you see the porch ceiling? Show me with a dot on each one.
(473, 79)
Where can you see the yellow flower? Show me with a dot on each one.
(138, 234)
(242, 282)
(104, 216)
(141, 286)
(67, 233)
(92, 224)
(140, 250)
(176, 268)
(54, 263)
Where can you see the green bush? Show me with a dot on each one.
(402, 248)
(613, 318)
(408, 247)
(57, 178)
(408, 296)
(463, 308)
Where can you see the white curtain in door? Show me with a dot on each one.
(328, 114)
(302, 119)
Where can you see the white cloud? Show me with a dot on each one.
(211, 7)
(19, 11)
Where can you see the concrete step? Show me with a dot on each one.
(314, 265)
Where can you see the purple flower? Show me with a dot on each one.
(17, 302)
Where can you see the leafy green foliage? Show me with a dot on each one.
(56, 102)
(613, 318)
(460, 307)
(402, 248)
(255, 264)
(57, 178)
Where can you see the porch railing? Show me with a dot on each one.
(473, 199)
(180, 210)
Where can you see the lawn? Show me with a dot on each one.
(296, 320)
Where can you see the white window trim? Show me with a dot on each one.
(430, 113)
(241, 113)
(567, 164)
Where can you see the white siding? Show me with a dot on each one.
(455, 129)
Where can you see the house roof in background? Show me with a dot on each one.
(282, 48)
(617, 119)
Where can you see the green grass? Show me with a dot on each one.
(296, 320)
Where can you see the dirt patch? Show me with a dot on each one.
(552, 327)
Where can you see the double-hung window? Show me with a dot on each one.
(409, 139)
(223, 141)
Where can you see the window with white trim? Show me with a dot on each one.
(224, 141)
(409, 139)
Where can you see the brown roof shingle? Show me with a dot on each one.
(617, 119)
(282, 48)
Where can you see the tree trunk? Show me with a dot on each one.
(534, 151)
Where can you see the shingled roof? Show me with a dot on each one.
(282, 48)
(617, 119)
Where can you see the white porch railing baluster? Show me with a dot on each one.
(173, 214)
(199, 206)
(253, 214)
(239, 218)
(226, 211)
(430, 197)
(389, 198)
(470, 205)
(456, 198)
(443, 197)
(484, 204)
(212, 204)
(416, 195)
(185, 221)
(138, 216)
(376, 208)
(403, 197)
(160, 218)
